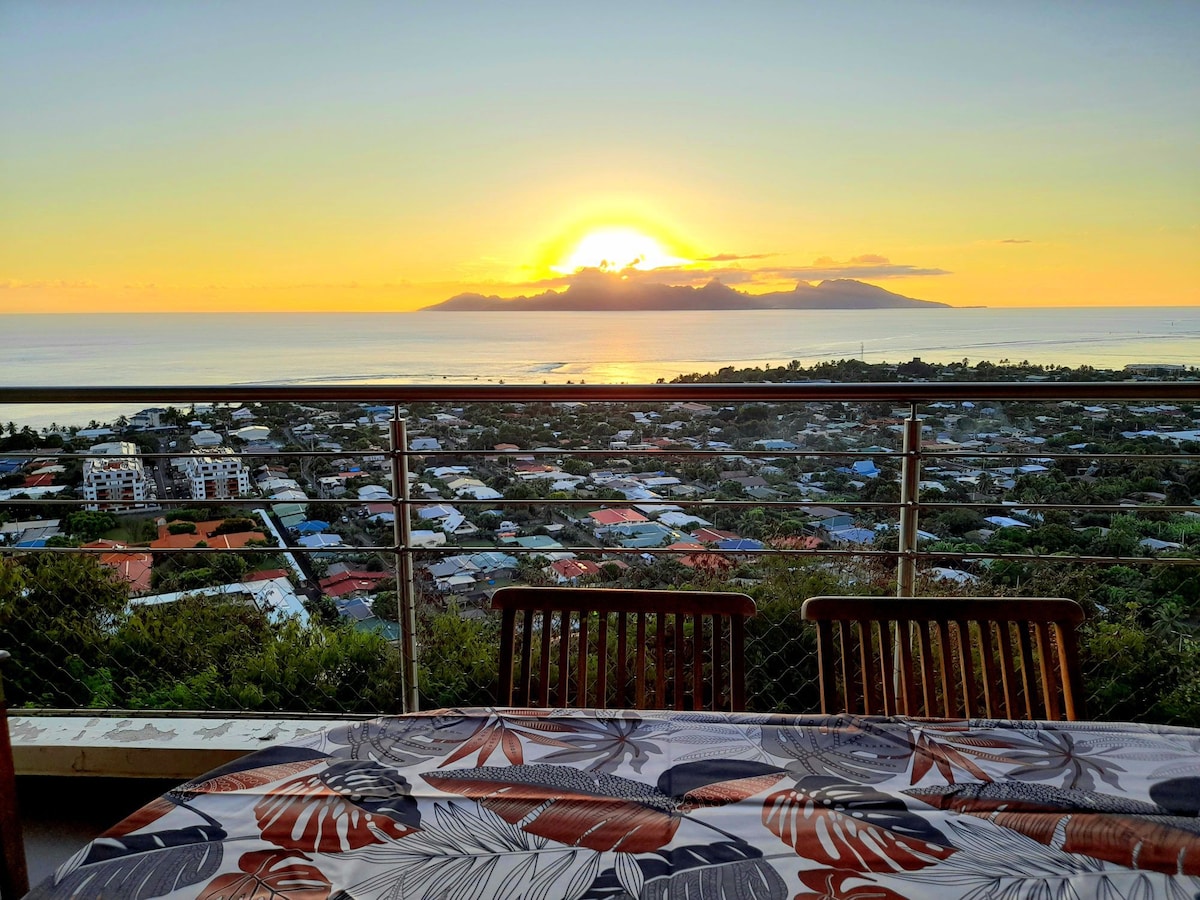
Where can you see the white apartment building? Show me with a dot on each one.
(114, 478)
(216, 477)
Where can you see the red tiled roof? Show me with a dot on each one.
(575, 568)
(204, 532)
(133, 568)
(349, 582)
(607, 517)
(713, 535)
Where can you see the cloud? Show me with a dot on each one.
(734, 257)
(12, 284)
(869, 266)
(866, 267)
(1015, 241)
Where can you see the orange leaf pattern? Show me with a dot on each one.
(470, 804)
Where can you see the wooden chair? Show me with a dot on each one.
(601, 647)
(14, 876)
(997, 657)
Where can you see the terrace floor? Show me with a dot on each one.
(61, 814)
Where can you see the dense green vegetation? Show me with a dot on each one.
(77, 643)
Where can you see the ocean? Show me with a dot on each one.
(554, 347)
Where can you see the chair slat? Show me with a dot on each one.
(1008, 673)
(526, 658)
(639, 672)
(967, 655)
(966, 668)
(564, 657)
(949, 694)
(680, 679)
(697, 662)
(622, 657)
(1033, 701)
(866, 661)
(993, 700)
(849, 680)
(928, 685)
(826, 668)
(660, 661)
(887, 668)
(908, 689)
(718, 667)
(602, 663)
(581, 661)
(505, 669)
(544, 662)
(1046, 665)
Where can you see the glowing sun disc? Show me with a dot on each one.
(616, 249)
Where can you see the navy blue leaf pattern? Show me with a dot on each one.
(484, 804)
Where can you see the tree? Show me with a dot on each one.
(458, 660)
(322, 511)
(57, 614)
(90, 525)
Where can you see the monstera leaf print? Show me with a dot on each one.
(953, 749)
(344, 807)
(1001, 863)
(851, 827)
(725, 870)
(505, 729)
(464, 852)
(1133, 833)
(401, 741)
(251, 771)
(609, 742)
(282, 762)
(832, 884)
(600, 811)
(246, 779)
(846, 747)
(138, 867)
(270, 875)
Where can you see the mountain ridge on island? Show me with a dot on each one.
(600, 292)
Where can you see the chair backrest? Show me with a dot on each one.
(14, 876)
(604, 647)
(999, 657)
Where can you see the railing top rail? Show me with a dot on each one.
(904, 392)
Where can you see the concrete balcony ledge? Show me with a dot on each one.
(163, 746)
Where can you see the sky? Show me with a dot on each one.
(245, 155)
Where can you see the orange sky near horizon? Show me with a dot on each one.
(267, 157)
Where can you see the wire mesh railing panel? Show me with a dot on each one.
(779, 491)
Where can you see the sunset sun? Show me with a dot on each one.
(615, 249)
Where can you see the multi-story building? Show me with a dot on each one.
(114, 479)
(216, 477)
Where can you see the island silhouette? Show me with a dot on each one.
(602, 292)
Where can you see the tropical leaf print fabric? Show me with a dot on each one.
(482, 804)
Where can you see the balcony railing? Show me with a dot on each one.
(757, 462)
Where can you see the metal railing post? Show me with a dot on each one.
(406, 605)
(910, 482)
